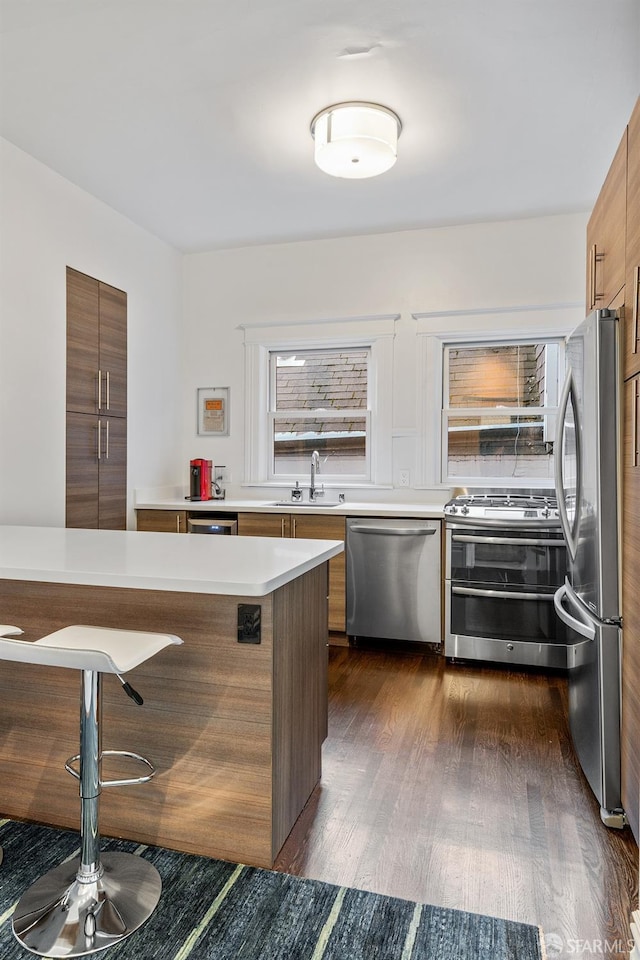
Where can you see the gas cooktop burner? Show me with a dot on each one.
(507, 505)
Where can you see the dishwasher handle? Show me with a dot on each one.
(394, 531)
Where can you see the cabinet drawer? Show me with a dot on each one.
(162, 521)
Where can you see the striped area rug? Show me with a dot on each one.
(214, 910)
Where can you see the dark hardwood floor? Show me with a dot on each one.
(457, 785)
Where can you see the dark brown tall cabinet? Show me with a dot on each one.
(96, 457)
(613, 279)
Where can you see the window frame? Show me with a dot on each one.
(375, 333)
(461, 327)
(449, 413)
(337, 413)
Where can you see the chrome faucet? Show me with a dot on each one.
(315, 469)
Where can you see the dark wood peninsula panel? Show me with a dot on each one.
(235, 729)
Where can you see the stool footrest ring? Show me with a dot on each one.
(115, 753)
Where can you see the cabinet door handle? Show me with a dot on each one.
(99, 440)
(99, 389)
(177, 523)
(282, 526)
(294, 526)
(594, 258)
(107, 443)
(636, 308)
(107, 389)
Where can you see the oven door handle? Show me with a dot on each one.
(512, 541)
(586, 630)
(500, 594)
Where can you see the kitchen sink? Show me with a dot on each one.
(303, 503)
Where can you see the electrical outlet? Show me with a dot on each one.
(403, 478)
(249, 622)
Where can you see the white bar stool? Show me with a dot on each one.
(94, 901)
(8, 631)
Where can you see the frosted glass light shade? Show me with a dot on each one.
(355, 140)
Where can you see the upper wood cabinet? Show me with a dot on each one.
(96, 442)
(83, 342)
(606, 235)
(632, 281)
(96, 346)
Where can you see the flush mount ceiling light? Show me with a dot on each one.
(355, 139)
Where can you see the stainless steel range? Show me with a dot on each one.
(505, 558)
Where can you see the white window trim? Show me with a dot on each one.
(437, 330)
(377, 333)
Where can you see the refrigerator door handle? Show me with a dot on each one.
(584, 629)
(567, 392)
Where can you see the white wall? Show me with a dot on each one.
(512, 264)
(46, 223)
(177, 345)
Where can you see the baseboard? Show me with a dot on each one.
(338, 639)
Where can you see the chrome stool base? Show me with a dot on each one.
(59, 916)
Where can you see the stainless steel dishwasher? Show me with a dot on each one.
(393, 579)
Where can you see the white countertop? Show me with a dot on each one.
(235, 566)
(349, 509)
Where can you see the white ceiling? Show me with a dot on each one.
(191, 117)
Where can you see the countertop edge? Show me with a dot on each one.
(427, 511)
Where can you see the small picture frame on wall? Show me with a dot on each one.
(213, 411)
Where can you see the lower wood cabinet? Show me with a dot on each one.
(630, 743)
(162, 521)
(303, 526)
(311, 527)
(264, 525)
(96, 467)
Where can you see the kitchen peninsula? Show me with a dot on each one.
(234, 719)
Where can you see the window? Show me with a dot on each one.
(499, 410)
(319, 385)
(319, 400)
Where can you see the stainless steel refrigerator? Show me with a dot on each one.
(587, 467)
